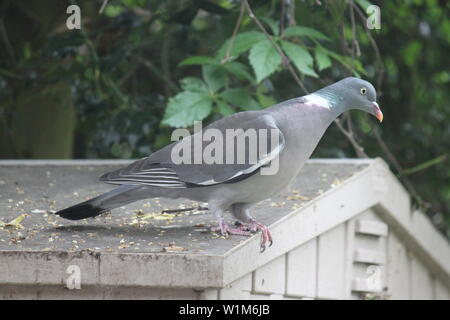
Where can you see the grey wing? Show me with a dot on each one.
(160, 169)
(141, 172)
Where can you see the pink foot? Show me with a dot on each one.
(254, 226)
(225, 229)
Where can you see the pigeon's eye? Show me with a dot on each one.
(363, 90)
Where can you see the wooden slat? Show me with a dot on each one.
(368, 256)
(421, 281)
(212, 294)
(270, 278)
(397, 269)
(331, 264)
(302, 270)
(441, 292)
(349, 265)
(239, 289)
(371, 227)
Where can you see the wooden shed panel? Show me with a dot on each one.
(270, 278)
(421, 281)
(301, 270)
(441, 292)
(398, 269)
(211, 294)
(239, 289)
(331, 264)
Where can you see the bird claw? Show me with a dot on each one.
(247, 229)
(266, 237)
(226, 230)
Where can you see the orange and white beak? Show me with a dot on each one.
(377, 112)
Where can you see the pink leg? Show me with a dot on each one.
(226, 229)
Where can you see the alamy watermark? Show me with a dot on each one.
(375, 277)
(74, 279)
(258, 147)
(74, 20)
(373, 17)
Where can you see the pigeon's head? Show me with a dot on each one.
(354, 93)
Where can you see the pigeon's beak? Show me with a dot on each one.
(377, 112)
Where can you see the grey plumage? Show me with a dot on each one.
(298, 124)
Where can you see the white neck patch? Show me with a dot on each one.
(315, 99)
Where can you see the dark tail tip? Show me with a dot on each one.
(80, 211)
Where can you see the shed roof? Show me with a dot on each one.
(140, 245)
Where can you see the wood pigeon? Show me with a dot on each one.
(297, 125)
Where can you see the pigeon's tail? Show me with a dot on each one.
(105, 202)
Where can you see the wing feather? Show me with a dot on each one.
(160, 171)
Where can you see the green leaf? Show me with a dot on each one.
(241, 98)
(322, 59)
(304, 31)
(364, 4)
(241, 71)
(196, 60)
(215, 76)
(243, 42)
(113, 10)
(352, 64)
(187, 107)
(265, 101)
(272, 24)
(301, 58)
(193, 84)
(264, 59)
(224, 108)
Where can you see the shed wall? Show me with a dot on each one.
(359, 259)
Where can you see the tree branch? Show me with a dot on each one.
(351, 137)
(233, 37)
(150, 66)
(286, 61)
(4, 33)
(282, 14)
(102, 8)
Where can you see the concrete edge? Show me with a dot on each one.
(111, 269)
(387, 196)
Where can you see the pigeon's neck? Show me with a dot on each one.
(327, 99)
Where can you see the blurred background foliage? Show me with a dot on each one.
(137, 69)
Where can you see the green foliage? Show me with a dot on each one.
(322, 59)
(264, 59)
(301, 58)
(187, 107)
(299, 31)
(242, 43)
(215, 76)
(240, 97)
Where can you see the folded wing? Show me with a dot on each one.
(243, 144)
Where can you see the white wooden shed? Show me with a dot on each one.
(343, 230)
